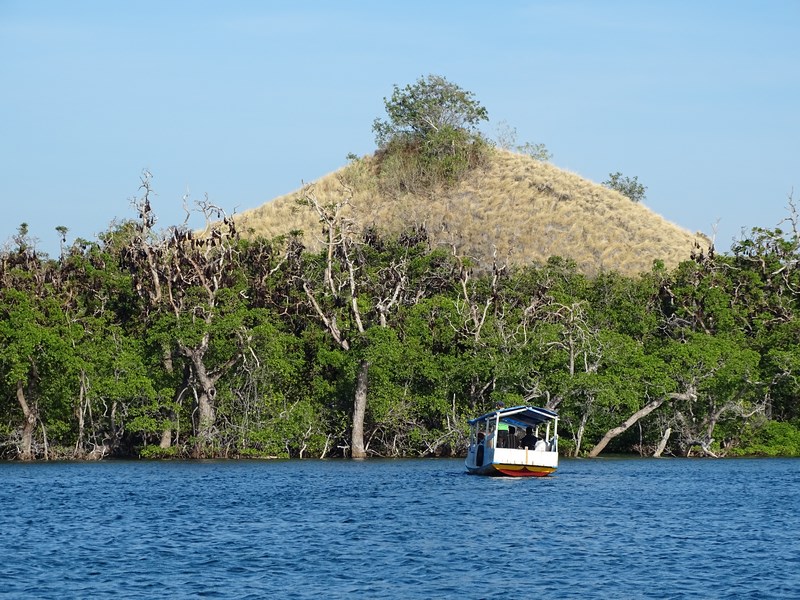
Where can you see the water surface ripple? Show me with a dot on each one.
(607, 528)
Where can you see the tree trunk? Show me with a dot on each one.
(663, 443)
(359, 410)
(80, 450)
(166, 432)
(29, 422)
(206, 415)
(612, 433)
(579, 436)
(166, 439)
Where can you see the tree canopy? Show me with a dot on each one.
(431, 134)
(177, 344)
(422, 110)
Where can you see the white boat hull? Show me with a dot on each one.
(512, 462)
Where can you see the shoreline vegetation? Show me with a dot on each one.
(379, 332)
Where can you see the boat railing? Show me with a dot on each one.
(540, 446)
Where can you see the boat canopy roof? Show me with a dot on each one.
(519, 416)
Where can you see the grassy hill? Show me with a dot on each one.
(525, 209)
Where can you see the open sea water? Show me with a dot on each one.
(603, 528)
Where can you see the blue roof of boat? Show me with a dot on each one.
(520, 416)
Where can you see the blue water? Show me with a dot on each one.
(604, 528)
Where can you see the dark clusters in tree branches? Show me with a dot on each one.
(184, 343)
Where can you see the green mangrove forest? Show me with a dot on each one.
(187, 344)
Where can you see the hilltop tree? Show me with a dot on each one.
(431, 134)
(626, 186)
(427, 107)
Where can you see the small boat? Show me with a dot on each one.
(521, 441)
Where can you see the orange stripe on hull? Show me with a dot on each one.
(523, 470)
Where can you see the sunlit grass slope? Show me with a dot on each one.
(520, 208)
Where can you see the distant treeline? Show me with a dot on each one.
(174, 343)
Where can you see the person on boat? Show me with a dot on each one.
(512, 436)
(529, 439)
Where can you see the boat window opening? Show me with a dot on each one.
(479, 432)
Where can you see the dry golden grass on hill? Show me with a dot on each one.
(525, 209)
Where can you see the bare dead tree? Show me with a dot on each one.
(348, 292)
(168, 269)
(627, 424)
(472, 310)
(341, 286)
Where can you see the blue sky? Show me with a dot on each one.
(245, 101)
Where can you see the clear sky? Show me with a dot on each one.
(245, 101)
